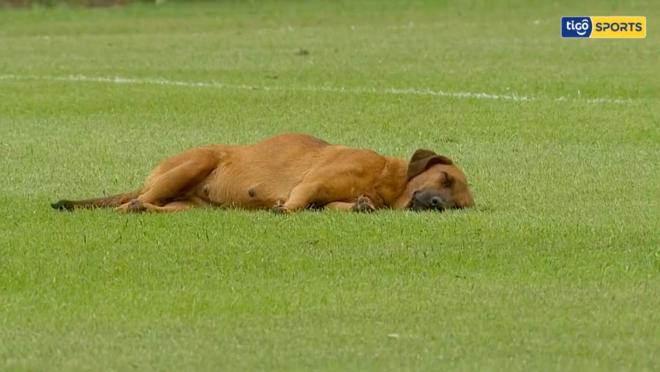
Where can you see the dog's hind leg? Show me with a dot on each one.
(136, 206)
(180, 175)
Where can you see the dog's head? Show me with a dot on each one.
(436, 183)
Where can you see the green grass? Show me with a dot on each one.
(558, 267)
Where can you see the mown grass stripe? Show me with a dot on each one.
(329, 89)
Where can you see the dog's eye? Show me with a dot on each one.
(447, 181)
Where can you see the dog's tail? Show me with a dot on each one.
(106, 202)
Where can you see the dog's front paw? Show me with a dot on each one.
(279, 208)
(364, 205)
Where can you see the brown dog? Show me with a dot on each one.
(291, 172)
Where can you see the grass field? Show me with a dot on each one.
(557, 268)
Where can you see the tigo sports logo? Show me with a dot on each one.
(575, 26)
(604, 27)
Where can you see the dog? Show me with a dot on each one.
(289, 173)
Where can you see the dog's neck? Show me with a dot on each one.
(395, 179)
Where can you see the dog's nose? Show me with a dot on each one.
(436, 202)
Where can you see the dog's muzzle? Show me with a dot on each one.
(423, 200)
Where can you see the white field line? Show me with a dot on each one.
(330, 89)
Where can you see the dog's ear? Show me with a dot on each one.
(422, 159)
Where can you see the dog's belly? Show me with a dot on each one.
(247, 187)
(255, 195)
(258, 176)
